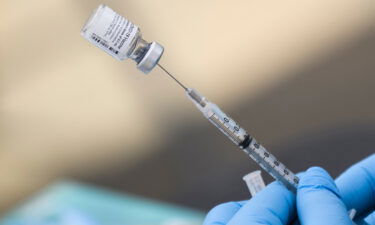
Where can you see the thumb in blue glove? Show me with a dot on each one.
(319, 201)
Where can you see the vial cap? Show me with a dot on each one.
(151, 58)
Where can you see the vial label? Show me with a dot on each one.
(110, 32)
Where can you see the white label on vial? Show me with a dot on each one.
(110, 32)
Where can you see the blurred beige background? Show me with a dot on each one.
(69, 110)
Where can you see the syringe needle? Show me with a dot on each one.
(166, 71)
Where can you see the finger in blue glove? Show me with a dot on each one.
(319, 201)
(357, 186)
(273, 205)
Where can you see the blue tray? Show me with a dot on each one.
(71, 203)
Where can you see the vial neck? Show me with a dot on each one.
(139, 50)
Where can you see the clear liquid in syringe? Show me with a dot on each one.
(242, 139)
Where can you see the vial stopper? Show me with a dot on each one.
(151, 58)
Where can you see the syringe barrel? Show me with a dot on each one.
(218, 118)
(226, 125)
(270, 164)
(242, 139)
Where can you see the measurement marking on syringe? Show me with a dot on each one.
(225, 127)
(241, 138)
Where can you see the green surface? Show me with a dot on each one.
(77, 204)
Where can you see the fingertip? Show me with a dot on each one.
(316, 178)
(276, 190)
(275, 204)
(370, 219)
(226, 207)
(223, 212)
(300, 174)
(318, 199)
(277, 186)
(317, 170)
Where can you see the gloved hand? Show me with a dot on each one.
(273, 205)
(319, 200)
(357, 189)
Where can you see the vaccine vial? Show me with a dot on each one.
(120, 38)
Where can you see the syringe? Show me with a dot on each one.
(243, 140)
(122, 39)
(240, 137)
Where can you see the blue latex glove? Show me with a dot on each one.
(357, 189)
(318, 200)
(273, 205)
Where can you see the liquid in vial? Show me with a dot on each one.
(120, 38)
